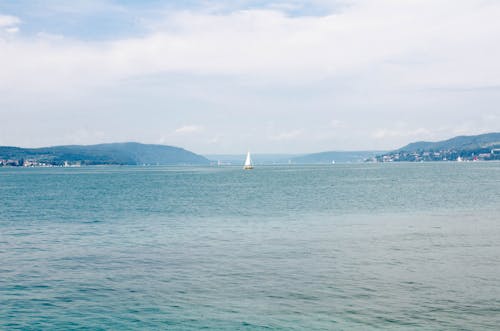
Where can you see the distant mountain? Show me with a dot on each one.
(337, 156)
(257, 159)
(128, 153)
(483, 147)
(457, 143)
(316, 158)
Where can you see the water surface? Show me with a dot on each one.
(348, 246)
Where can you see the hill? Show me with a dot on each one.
(461, 148)
(457, 143)
(129, 153)
(257, 159)
(338, 157)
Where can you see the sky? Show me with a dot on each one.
(221, 77)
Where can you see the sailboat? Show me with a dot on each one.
(248, 162)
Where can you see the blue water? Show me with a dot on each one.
(348, 247)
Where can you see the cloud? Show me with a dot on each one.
(215, 139)
(272, 45)
(9, 24)
(288, 135)
(8, 21)
(85, 136)
(13, 29)
(365, 64)
(188, 129)
(41, 36)
(337, 124)
(398, 133)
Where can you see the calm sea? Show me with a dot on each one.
(346, 246)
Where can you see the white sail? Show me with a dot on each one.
(248, 162)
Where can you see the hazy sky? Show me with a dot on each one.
(227, 76)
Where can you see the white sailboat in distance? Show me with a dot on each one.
(248, 162)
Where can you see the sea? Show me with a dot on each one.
(402, 246)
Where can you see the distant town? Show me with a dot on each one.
(441, 155)
(35, 163)
(128, 153)
(483, 147)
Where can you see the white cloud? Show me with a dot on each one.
(13, 29)
(85, 136)
(456, 39)
(398, 133)
(287, 135)
(337, 124)
(366, 65)
(8, 21)
(9, 24)
(89, 7)
(49, 36)
(188, 129)
(215, 139)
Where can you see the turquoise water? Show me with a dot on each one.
(352, 247)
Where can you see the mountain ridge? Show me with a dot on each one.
(122, 153)
(328, 157)
(464, 142)
(482, 147)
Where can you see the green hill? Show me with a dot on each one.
(483, 147)
(486, 140)
(129, 153)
